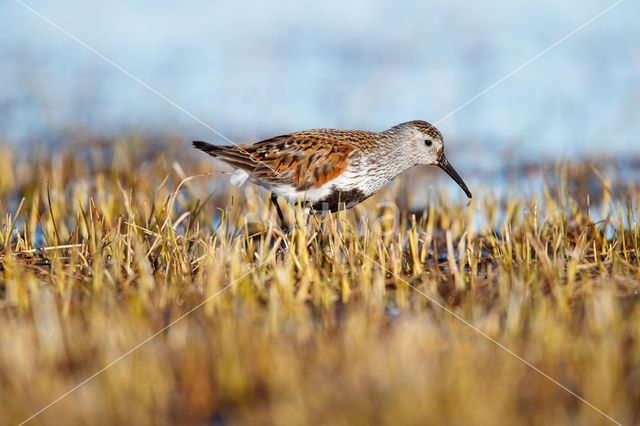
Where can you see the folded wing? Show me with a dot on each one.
(303, 160)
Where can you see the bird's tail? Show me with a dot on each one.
(236, 156)
(210, 149)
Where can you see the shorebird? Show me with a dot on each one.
(328, 169)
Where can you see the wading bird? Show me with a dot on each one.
(328, 169)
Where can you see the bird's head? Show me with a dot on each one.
(427, 147)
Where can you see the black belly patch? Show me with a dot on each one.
(340, 200)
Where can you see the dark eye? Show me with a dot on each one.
(428, 142)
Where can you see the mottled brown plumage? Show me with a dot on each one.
(304, 159)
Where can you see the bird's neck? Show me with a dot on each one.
(395, 148)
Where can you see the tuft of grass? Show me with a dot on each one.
(137, 249)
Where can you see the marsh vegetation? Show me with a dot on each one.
(412, 306)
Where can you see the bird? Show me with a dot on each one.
(329, 169)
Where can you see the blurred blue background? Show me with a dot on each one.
(256, 69)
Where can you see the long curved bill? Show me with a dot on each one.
(444, 164)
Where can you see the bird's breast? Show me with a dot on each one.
(357, 183)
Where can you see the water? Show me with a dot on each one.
(255, 69)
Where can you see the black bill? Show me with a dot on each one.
(447, 167)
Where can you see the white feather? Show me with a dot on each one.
(239, 177)
(351, 178)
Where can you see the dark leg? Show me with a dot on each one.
(283, 223)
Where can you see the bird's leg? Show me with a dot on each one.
(283, 223)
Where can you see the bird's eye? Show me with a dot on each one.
(428, 142)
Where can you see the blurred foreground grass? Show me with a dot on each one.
(343, 328)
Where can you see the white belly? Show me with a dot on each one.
(368, 180)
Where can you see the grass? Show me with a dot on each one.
(359, 322)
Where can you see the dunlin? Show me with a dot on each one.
(328, 169)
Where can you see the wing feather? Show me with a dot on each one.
(303, 160)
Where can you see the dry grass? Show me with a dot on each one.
(343, 328)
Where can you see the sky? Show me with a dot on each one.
(251, 70)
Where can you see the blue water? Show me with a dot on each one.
(255, 69)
